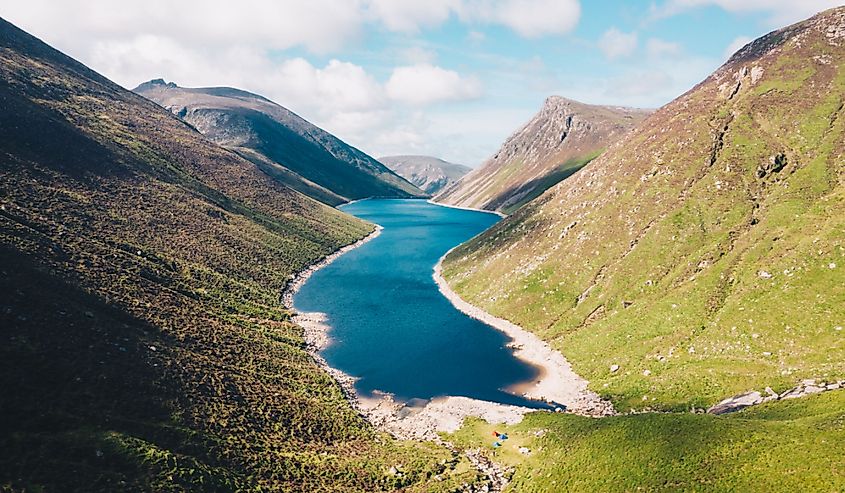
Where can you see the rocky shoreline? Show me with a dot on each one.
(557, 383)
(400, 420)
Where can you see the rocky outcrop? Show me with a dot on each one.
(747, 399)
(558, 141)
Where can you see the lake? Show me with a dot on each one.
(390, 325)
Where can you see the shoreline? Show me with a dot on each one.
(402, 420)
(500, 214)
(557, 382)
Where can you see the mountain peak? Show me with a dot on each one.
(155, 83)
(831, 23)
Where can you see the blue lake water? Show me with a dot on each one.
(392, 328)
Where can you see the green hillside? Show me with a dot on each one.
(282, 144)
(144, 343)
(794, 445)
(703, 253)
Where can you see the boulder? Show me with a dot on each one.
(736, 403)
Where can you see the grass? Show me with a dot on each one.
(794, 445)
(144, 343)
(562, 172)
(683, 256)
(715, 279)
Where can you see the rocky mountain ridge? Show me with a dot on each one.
(561, 138)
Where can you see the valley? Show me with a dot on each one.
(205, 291)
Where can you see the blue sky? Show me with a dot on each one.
(450, 78)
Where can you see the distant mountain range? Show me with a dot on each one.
(560, 139)
(281, 143)
(429, 174)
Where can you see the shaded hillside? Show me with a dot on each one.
(704, 252)
(144, 344)
(429, 174)
(283, 145)
(560, 139)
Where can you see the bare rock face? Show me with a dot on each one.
(736, 403)
(558, 141)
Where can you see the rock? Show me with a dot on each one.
(626, 304)
(524, 450)
(792, 393)
(614, 368)
(736, 403)
(813, 389)
(646, 373)
(765, 275)
(833, 386)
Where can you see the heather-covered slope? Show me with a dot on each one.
(282, 144)
(144, 344)
(560, 139)
(704, 252)
(429, 174)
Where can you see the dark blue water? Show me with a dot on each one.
(391, 327)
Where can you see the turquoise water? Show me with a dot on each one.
(391, 327)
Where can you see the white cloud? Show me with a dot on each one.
(528, 18)
(220, 43)
(781, 12)
(318, 25)
(534, 18)
(735, 45)
(615, 43)
(658, 48)
(424, 84)
(412, 15)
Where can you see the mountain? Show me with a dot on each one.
(429, 174)
(279, 142)
(702, 254)
(560, 139)
(144, 343)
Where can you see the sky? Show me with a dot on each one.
(448, 78)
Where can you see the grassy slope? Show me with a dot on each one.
(290, 149)
(654, 223)
(537, 187)
(794, 445)
(144, 343)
